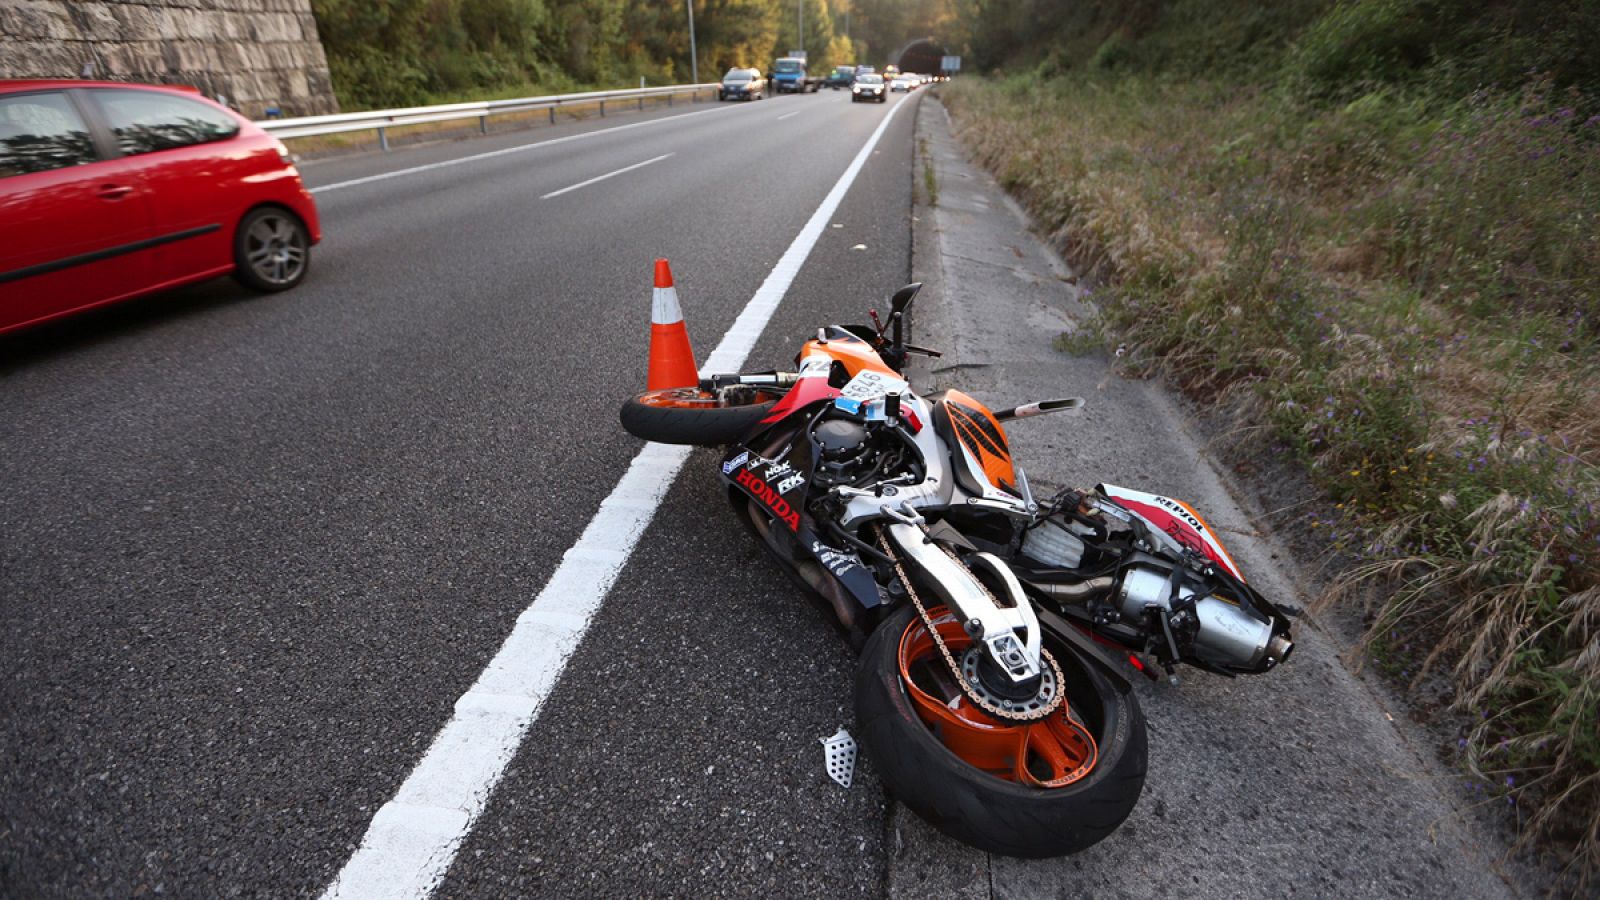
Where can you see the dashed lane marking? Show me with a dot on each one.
(520, 148)
(599, 178)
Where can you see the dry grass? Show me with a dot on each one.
(1408, 293)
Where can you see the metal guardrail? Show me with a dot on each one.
(382, 120)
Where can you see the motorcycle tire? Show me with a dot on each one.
(695, 417)
(983, 810)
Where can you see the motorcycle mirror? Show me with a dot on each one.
(903, 297)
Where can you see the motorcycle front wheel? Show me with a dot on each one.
(696, 417)
(1042, 789)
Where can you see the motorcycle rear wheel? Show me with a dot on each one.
(977, 807)
(695, 417)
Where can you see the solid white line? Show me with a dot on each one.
(399, 173)
(413, 838)
(787, 115)
(603, 177)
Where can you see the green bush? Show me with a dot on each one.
(1359, 44)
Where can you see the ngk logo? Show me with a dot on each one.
(769, 497)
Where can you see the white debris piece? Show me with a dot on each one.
(839, 752)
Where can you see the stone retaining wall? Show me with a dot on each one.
(255, 53)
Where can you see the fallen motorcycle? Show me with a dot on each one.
(985, 693)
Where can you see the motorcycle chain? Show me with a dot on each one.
(967, 689)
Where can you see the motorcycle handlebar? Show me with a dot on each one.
(769, 379)
(1040, 408)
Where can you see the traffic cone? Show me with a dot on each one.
(671, 357)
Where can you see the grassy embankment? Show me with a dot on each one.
(1402, 288)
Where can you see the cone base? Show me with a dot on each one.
(671, 358)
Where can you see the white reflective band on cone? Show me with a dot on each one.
(664, 309)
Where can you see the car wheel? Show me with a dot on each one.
(271, 250)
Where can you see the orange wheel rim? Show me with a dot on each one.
(1050, 753)
(693, 398)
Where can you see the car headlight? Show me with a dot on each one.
(855, 88)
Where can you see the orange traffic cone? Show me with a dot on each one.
(671, 357)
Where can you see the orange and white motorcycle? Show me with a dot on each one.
(985, 694)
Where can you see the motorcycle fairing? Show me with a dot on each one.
(845, 566)
(849, 350)
(984, 463)
(833, 346)
(775, 484)
(806, 391)
(1174, 519)
(778, 485)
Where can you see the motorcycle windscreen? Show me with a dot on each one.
(1176, 520)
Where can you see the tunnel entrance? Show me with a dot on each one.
(922, 55)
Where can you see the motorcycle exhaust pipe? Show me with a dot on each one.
(1027, 410)
(1076, 591)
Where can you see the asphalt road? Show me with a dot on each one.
(252, 549)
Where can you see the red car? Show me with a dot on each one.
(109, 191)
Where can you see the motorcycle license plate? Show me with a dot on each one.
(865, 388)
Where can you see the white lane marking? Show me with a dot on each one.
(400, 173)
(787, 115)
(603, 177)
(413, 838)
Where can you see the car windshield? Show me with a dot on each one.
(870, 79)
(787, 65)
(736, 77)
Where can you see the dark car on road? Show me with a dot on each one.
(109, 191)
(869, 87)
(840, 77)
(742, 84)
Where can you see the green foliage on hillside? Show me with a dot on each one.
(1326, 48)
(389, 53)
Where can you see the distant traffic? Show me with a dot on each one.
(791, 75)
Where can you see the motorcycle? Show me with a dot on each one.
(986, 691)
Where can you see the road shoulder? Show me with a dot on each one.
(1295, 782)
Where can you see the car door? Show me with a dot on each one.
(74, 223)
(187, 154)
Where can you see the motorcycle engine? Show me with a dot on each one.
(843, 444)
(858, 453)
(1053, 543)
